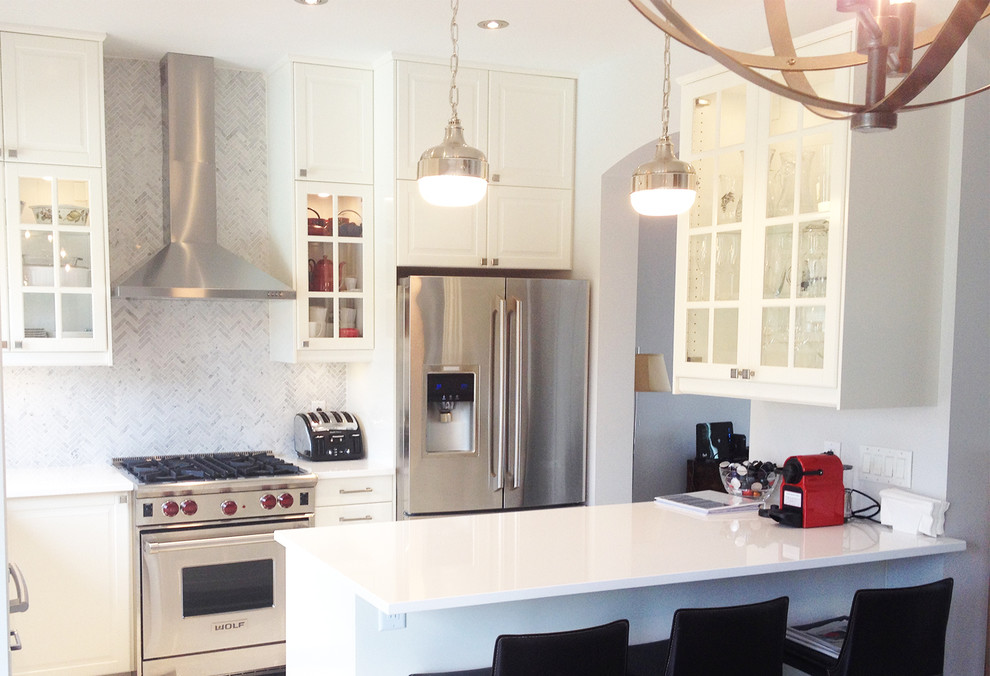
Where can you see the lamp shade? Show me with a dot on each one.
(453, 174)
(664, 186)
(651, 373)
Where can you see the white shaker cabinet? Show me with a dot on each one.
(73, 555)
(782, 292)
(322, 211)
(56, 286)
(525, 125)
(52, 95)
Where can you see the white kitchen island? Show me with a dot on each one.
(388, 599)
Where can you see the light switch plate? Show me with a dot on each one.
(885, 466)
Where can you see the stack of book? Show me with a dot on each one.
(825, 636)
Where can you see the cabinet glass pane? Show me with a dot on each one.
(727, 265)
(36, 199)
(38, 257)
(823, 82)
(73, 202)
(730, 185)
(815, 173)
(320, 318)
(701, 211)
(696, 341)
(350, 216)
(75, 259)
(323, 272)
(733, 127)
(725, 335)
(813, 254)
(39, 315)
(351, 267)
(699, 268)
(783, 113)
(809, 337)
(351, 318)
(703, 135)
(777, 262)
(773, 349)
(77, 315)
(781, 176)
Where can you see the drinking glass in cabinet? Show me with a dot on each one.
(780, 179)
(699, 268)
(809, 337)
(815, 174)
(814, 259)
(730, 185)
(773, 348)
(777, 262)
(696, 338)
(727, 265)
(701, 215)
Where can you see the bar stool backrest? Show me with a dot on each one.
(698, 640)
(897, 631)
(594, 651)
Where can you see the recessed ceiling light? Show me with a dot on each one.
(493, 24)
(312, 2)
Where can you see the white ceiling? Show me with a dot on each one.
(557, 35)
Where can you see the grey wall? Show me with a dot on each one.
(188, 375)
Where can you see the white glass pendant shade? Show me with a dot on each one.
(452, 174)
(664, 186)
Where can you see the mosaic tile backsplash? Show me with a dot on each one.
(188, 375)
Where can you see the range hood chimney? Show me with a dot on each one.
(193, 264)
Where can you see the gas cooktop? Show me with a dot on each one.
(170, 469)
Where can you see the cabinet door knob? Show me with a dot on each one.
(496, 178)
(12, 153)
(302, 173)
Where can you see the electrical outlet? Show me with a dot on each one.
(885, 466)
(388, 622)
(317, 403)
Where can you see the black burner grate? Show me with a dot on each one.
(206, 467)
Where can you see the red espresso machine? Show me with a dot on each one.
(812, 493)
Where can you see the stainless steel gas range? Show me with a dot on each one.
(211, 577)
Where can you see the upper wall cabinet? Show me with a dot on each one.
(52, 100)
(55, 290)
(525, 124)
(322, 211)
(328, 100)
(782, 289)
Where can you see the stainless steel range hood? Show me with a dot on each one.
(193, 264)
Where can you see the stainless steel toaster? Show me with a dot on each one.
(328, 435)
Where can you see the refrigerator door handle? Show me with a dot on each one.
(497, 417)
(518, 411)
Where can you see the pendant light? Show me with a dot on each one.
(453, 174)
(664, 186)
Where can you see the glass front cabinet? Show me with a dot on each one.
(759, 255)
(333, 254)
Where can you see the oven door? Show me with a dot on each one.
(213, 587)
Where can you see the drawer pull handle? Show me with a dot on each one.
(344, 491)
(345, 519)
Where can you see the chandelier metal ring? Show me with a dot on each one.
(942, 40)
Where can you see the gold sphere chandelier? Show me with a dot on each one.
(886, 41)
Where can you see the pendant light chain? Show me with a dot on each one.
(454, 60)
(665, 109)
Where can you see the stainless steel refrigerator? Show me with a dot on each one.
(493, 382)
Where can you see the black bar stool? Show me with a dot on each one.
(594, 651)
(696, 646)
(891, 631)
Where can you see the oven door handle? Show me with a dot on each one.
(205, 543)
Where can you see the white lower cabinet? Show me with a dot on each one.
(73, 554)
(352, 500)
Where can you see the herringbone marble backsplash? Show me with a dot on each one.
(187, 375)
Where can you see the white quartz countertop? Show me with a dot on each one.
(331, 469)
(457, 561)
(33, 482)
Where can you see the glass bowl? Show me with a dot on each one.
(749, 479)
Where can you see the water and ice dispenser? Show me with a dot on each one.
(450, 412)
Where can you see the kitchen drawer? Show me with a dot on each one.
(339, 515)
(353, 490)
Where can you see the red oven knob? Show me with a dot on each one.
(286, 500)
(268, 501)
(188, 507)
(228, 507)
(170, 508)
